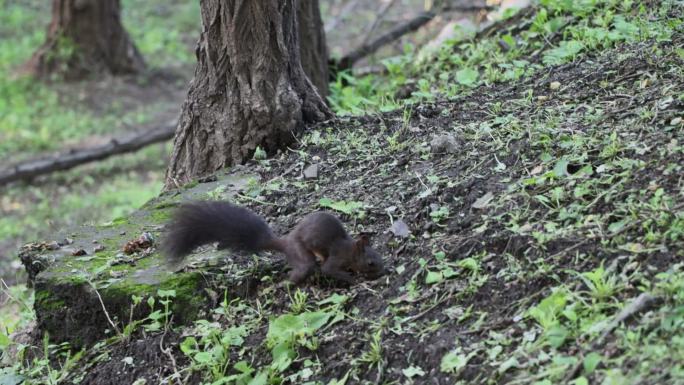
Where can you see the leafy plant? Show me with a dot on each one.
(349, 208)
(602, 285)
(288, 331)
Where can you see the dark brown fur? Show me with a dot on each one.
(319, 236)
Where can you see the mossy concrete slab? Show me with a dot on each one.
(84, 283)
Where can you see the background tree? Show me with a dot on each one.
(314, 50)
(85, 37)
(249, 88)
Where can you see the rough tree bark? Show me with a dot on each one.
(85, 37)
(314, 50)
(249, 88)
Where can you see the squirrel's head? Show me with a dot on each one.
(368, 261)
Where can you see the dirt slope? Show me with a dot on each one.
(557, 201)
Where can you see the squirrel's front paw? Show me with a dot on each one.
(285, 284)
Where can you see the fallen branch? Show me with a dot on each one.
(341, 15)
(348, 60)
(468, 8)
(74, 158)
(513, 25)
(382, 11)
(640, 304)
(367, 48)
(370, 70)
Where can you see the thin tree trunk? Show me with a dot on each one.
(85, 37)
(314, 50)
(249, 88)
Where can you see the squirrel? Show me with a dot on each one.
(318, 236)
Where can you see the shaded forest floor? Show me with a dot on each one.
(537, 212)
(38, 119)
(43, 119)
(540, 211)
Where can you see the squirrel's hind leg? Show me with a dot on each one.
(302, 263)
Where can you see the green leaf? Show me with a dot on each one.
(561, 168)
(259, 154)
(616, 227)
(549, 308)
(166, 293)
(282, 354)
(625, 28)
(509, 363)
(4, 340)
(434, 277)
(283, 331)
(566, 51)
(188, 345)
(341, 381)
(234, 336)
(591, 361)
(341, 206)
(203, 357)
(315, 319)
(260, 379)
(243, 367)
(508, 39)
(413, 371)
(557, 335)
(453, 362)
(11, 379)
(467, 76)
(469, 264)
(335, 299)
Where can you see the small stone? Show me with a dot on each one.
(400, 229)
(208, 179)
(554, 85)
(311, 172)
(675, 121)
(53, 245)
(98, 248)
(116, 273)
(483, 201)
(78, 253)
(445, 143)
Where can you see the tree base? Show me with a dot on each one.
(249, 88)
(85, 37)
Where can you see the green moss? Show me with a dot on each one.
(188, 301)
(191, 185)
(165, 205)
(160, 215)
(47, 301)
(117, 222)
(190, 297)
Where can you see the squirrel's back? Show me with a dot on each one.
(198, 223)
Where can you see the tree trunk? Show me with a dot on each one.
(314, 50)
(85, 37)
(249, 88)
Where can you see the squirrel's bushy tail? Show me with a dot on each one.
(198, 223)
